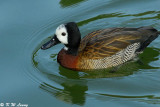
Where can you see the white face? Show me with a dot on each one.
(62, 34)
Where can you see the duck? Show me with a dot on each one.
(100, 49)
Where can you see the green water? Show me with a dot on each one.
(32, 76)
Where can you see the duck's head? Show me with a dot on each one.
(67, 34)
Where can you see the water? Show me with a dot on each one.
(32, 76)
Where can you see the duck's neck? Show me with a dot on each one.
(71, 50)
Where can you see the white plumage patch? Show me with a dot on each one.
(66, 48)
(60, 31)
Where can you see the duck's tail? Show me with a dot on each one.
(152, 35)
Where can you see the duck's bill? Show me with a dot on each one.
(49, 44)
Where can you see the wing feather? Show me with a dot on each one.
(107, 42)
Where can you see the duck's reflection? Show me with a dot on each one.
(67, 3)
(73, 90)
(149, 55)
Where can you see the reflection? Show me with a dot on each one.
(73, 90)
(69, 73)
(101, 16)
(35, 62)
(121, 96)
(124, 70)
(138, 16)
(150, 99)
(67, 3)
(53, 56)
(149, 55)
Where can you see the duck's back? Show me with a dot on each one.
(113, 46)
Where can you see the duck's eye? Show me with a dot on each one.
(63, 34)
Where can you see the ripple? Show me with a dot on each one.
(69, 3)
(150, 99)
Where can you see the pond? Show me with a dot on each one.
(33, 77)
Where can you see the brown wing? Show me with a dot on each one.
(96, 33)
(107, 42)
(86, 39)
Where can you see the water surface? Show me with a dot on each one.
(32, 76)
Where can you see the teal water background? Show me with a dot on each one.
(32, 76)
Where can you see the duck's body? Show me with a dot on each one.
(104, 48)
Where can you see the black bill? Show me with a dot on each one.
(52, 42)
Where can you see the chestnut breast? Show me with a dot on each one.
(67, 60)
